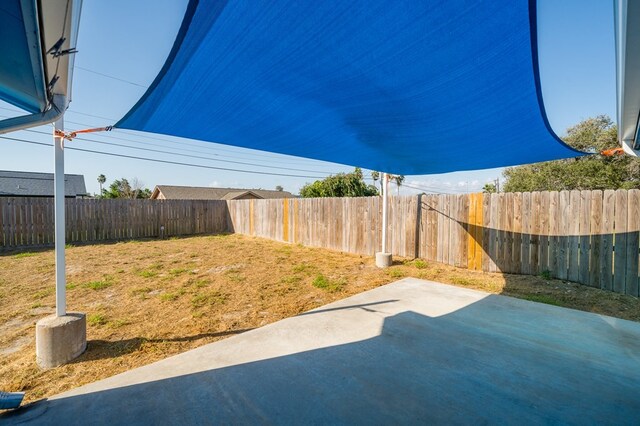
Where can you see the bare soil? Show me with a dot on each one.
(147, 300)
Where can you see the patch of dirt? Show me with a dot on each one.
(42, 311)
(13, 324)
(224, 268)
(145, 301)
(15, 345)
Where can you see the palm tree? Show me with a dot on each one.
(101, 179)
(375, 176)
(398, 179)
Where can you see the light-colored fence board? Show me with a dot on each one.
(620, 241)
(526, 233)
(596, 242)
(553, 232)
(564, 220)
(517, 233)
(573, 236)
(633, 242)
(486, 234)
(535, 225)
(543, 240)
(606, 235)
(585, 236)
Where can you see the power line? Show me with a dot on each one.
(207, 145)
(211, 148)
(182, 149)
(424, 188)
(187, 155)
(110, 76)
(215, 146)
(164, 161)
(92, 115)
(412, 187)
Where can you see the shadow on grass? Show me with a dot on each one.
(103, 349)
(361, 306)
(49, 247)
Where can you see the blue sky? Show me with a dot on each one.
(128, 41)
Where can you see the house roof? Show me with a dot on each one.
(173, 192)
(33, 184)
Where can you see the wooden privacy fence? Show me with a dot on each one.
(28, 222)
(589, 237)
(351, 225)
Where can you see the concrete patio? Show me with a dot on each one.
(410, 352)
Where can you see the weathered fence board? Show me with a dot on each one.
(517, 233)
(573, 236)
(633, 241)
(585, 234)
(596, 241)
(543, 246)
(525, 266)
(620, 241)
(606, 235)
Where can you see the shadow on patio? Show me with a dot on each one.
(478, 359)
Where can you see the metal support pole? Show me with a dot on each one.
(58, 193)
(385, 180)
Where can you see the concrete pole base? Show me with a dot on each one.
(60, 339)
(383, 260)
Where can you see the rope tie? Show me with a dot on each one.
(71, 135)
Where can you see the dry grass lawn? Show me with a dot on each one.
(147, 300)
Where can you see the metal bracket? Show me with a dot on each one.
(64, 52)
(56, 47)
(54, 112)
(56, 50)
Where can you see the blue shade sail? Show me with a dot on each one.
(403, 86)
(21, 67)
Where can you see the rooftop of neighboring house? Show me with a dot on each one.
(173, 192)
(35, 184)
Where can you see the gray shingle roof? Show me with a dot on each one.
(33, 184)
(172, 192)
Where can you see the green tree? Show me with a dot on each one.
(589, 172)
(340, 185)
(376, 176)
(101, 180)
(121, 188)
(489, 188)
(279, 188)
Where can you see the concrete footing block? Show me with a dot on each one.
(60, 339)
(383, 260)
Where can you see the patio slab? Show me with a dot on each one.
(412, 351)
